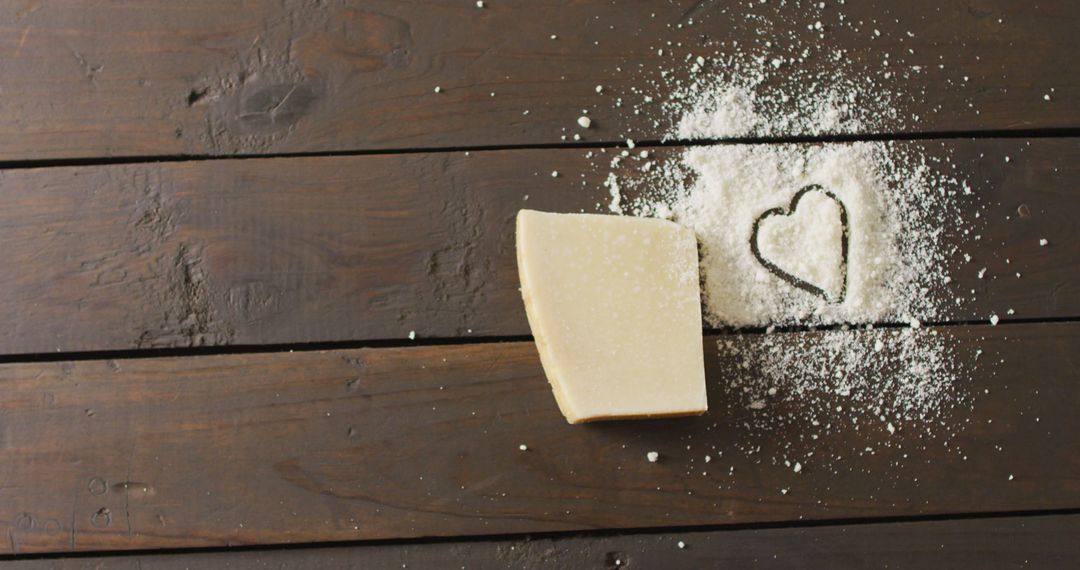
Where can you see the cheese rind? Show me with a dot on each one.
(614, 305)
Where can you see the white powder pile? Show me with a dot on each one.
(729, 105)
(894, 376)
(890, 215)
(891, 203)
(844, 234)
(724, 113)
(792, 78)
(807, 243)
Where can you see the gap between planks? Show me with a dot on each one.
(928, 136)
(224, 350)
(554, 535)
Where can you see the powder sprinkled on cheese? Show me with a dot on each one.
(614, 305)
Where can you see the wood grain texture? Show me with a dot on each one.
(153, 77)
(419, 442)
(1020, 542)
(292, 250)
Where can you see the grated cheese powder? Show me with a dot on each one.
(808, 235)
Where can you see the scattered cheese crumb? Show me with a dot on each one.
(584, 121)
(652, 456)
(554, 173)
(523, 447)
(682, 544)
(479, 3)
(1043, 242)
(412, 335)
(599, 88)
(630, 143)
(757, 405)
(1010, 477)
(994, 319)
(798, 467)
(438, 89)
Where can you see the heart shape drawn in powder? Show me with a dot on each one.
(820, 272)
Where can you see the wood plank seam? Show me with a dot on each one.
(650, 144)
(224, 350)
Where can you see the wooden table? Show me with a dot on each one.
(221, 220)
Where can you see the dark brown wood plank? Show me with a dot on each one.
(1015, 542)
(153, 77)
(372, 247)
(424, 441)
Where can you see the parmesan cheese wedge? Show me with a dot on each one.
(614, 305)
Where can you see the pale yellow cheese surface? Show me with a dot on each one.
(614, 305)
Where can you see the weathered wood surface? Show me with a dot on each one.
(153, 77)
(1015, 542)
(414, 442)
(291, 250)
